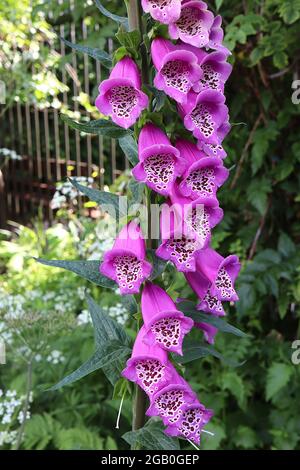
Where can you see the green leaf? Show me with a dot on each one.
(159, 97)
(101, 358)
(129, 146)
(137, 190)
(286, 246)
(289, 10)
(189, 310)
(87, 269)
(158, 264)
(106, 328)
(130, 40)
(278, 377)
(151, 437)
(98, 127)
(193, 350)
(112, 203)
(95, 53)
(257, 193)
(218, 4)
(280, 59)
(118, 19)
(231, 381)
(129, 303)
(112, 348)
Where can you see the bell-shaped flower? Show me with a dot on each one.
(216, 36)
(193, 25)
(215, 72)
(199, 218)
(148, 366)
(125, 263)
(165, 325)
(159, 162)
(179, 244)
(203, 176)
(211, 150)
(177, 69)
(191, 422)
(221, 272)
(204, 114)
(208, 302)
(169, 403)
(164, 11)
(120, 96)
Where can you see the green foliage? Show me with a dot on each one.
(151, 437)
(97, 54)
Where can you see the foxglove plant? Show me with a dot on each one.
(188, 173)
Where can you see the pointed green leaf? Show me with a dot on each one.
(111, 344)
(193, 350)
(97, 127)
(137, 190)
(130, 39)
(129, 303)
(106, 328)
(158, 264)
(115, 205)
(189, 310)
(95, 53)
(104, 356)
(122, 20)
(278, 377)
(130, 148)
(151, 437)
(87, 269)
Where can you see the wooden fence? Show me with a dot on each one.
(48, 147)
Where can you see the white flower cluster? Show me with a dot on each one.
(10, 404)
(8, 437)
(119, 313)
(65, 192)
(56, 357)
(10, 154)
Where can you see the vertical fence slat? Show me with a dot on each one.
(87, 91)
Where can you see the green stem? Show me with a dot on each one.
(136, 23)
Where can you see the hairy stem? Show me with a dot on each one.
(136, 23)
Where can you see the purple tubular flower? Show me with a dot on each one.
(221, 272)
(165, 325)
(165, 11)
(148, 366)
(177, 69)
(169, 403)
(203, 176)
(216, 36)
(120, 96)
(191, 422)
(204, 115)
(212, 150)
(208, 330)
(209, 303)
(215, 72)
(193, 25)
(179, 244)
(199, 219)
(160, 163)
(125, 263)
